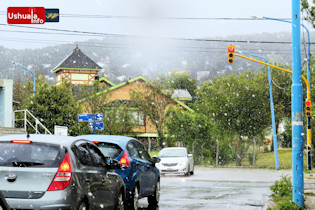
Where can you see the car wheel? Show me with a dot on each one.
(154, 199)
(120, 201)
(188, 172)
(133, 202)
(192, 172)
(82, 206)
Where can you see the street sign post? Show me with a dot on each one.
(85, 117)
(99, 116)
(92, 118)
(98, 125)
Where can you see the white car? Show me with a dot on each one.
(175, 160)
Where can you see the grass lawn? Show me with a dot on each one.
(267, 160)
(154, 153)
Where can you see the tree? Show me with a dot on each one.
(93, 97)
(153, 102)
(179, 80)
(238, 104)
(310, 11)
(20, 93)
(117, 117)
(281, 91)
(23, 90)
(54, 105)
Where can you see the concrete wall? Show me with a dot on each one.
(6, 102)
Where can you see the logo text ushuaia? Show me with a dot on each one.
(26, 15)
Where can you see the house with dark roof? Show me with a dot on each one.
(78, 68)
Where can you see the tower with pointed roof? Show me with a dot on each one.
(78, 68)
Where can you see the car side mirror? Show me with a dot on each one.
(155, 160)
(190, 155)
(114, 164)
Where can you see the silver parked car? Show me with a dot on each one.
(57, 172)
(175, 160)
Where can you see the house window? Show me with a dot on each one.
(139, 117)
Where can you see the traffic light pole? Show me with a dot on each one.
(297, 122)
(275, 143)
(308, 129)
(296, 109)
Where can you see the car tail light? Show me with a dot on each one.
(124, 160)
(63, 175)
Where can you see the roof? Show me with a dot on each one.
(104, 79)
(77, 60)
(111, 138)
(134, 80)
(52, 139)
(182, 94)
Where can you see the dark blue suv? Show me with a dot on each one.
(141, 177)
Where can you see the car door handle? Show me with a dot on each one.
(148, 166)
(88, 180)
(103, 180)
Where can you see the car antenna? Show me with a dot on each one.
(28, 135)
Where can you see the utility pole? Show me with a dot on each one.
(296, 109)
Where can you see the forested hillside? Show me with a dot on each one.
(149, 57)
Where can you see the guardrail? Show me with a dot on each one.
(27, 114)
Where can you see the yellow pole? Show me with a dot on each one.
(286, 70)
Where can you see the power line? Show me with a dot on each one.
(148, 17)
(137, 36)
(137, 47)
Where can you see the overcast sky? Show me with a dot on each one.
(90, 16)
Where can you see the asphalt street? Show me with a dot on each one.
(217, 188)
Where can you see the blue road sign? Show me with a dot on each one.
(98, 125)
(99, 116)
(85, 117)
(91, 125)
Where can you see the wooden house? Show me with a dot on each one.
(77, 68)
(121, 92)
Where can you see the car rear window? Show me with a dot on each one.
(31, 155)
(109, 150)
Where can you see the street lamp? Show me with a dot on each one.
(308, 41)
(308, 129)
(275, 143)
(34, 84)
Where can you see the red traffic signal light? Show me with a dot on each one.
(308, 108)
(231, 49)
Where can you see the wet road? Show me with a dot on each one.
(217, 188)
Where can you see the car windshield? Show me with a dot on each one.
(109, 150)
(172, 153)
(30, 155)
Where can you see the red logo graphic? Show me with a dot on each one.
(26, 15)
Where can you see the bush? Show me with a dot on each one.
(266, 149)
(282, 187)
(288, 205)
(282, 195)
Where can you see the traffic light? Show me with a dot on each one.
(231, 49)
(308, 108)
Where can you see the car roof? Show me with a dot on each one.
(107, 138)
(169, 148)
(53, 139)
